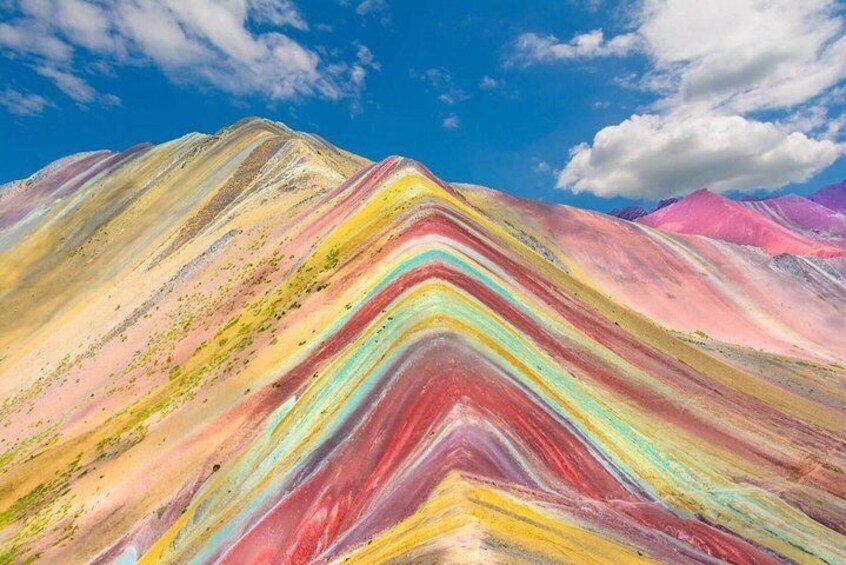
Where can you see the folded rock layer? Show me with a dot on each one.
(254, 347)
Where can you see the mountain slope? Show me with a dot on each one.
(732, 293)
(717, 217)
(630, 213)
(832, 197)
(110, 228)
(804, 216)
(302, 368)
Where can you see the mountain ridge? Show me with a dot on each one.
(706, 213)
(356, 361)
(832, 196)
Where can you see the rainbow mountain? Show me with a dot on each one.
(255, 347)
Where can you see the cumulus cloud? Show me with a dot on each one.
(204, 42)
(532, 48)
(821, 117)
(745, 55)
(655, 156)
(713, 66)
(22, 104)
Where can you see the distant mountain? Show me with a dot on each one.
(832, 197)
(715, 216)
(630, 213)
(665, 202)
(803, 216)
(255, 347)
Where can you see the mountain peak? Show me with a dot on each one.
(704, 197)
(832, 196)
(630, 213)
(702, 193)
(256, 347)
(713, 215)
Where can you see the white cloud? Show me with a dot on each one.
(357, 75)
(542, 167)
(490, 83)
(76, 88)
(208, 43)
(745, 55)
(71, 85)
(83, 23)
(442, 82)
(650, 156)
(451, 122)
(588, 5)
(22, 104)
(371, 7)
(205, 42)
(454, 97)
(713, 66)
(29, 37)
(741, 55)
(376, 8)
(366, 58)
(821, 117)
(278, 13)
(532, 48)
(448, 93)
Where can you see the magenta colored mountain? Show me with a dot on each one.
(804, 216)
(832, 197)
(711, 215)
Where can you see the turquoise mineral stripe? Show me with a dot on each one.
(376, 354)
(343, 383)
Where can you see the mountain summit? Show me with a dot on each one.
(706, 213)
(255, 347)
(832, 197)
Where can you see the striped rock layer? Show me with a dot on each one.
(254, 347)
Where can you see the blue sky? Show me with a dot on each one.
(591, 103)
